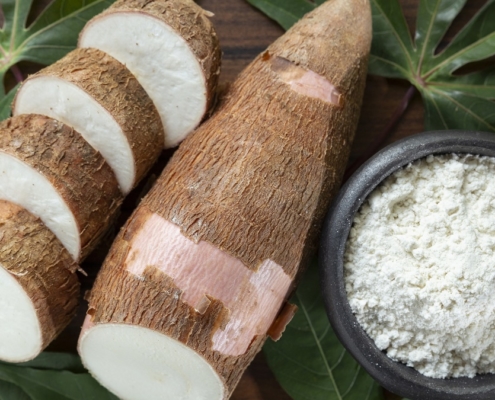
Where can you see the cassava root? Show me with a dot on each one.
(205, 263)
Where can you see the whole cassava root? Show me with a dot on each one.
(171, 48)
(38, 284)
(49, 169)
(97, 96)
(197, 275)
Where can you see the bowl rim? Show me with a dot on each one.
(394, 376)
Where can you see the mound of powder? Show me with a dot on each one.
(419, 266)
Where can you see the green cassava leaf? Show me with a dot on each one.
(8, 391)
(5, 103)
(52, 35)
(54, 361)
(451, 101)
(51, 376)
(309, 361)
(286, 13)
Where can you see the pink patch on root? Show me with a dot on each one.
(201, 269)
(313, 85)
(306, 82)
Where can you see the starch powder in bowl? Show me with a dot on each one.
(407, 258)
(419, 265)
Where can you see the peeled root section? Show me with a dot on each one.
(38, 285)
(171, 49)
(98, 97)
(201, 271)
(138, 363)
(303, 81)
(49, 169)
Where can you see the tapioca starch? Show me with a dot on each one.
(420, 266)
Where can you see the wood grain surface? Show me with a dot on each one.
(244, 32)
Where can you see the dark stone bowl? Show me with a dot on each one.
(394, 376)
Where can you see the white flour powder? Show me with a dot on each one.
(420, 266)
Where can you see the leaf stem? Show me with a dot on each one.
(17, 73)
(396, 117)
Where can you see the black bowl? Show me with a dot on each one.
(394, 376)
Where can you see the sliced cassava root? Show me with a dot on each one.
(65, 181)
(49, 169)
(248, 190)
(98, 97)
(171, 48)
(38, 285)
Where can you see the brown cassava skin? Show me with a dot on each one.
(254, 180)
(77, 171)
(111, 84)
(191, 22)
(41, 265)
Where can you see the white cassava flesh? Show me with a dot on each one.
(167, 369)
(176, 68)
(98, 97)
(20, 331)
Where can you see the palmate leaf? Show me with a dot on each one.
(52, 35)
(451, 101)
(51, 376)
(309, 361)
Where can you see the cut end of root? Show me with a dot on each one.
(137, 363)
(20, 330)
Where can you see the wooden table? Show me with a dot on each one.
(244, 32)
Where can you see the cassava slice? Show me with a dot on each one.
(38, 285)
(50, 170)
(203, 266)
(98, 97)
(171, 48)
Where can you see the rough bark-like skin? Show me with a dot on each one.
(255, 180)
(41, 265)
(191, 22)
(112, 85)
(79, 173)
